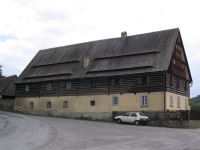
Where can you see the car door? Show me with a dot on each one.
(125, 117)
(132, 117)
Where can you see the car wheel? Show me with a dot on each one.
(136, 122)
(119, 121)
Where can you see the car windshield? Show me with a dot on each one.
(141, 114)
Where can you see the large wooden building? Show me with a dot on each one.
(140, 72)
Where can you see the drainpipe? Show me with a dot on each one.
(164, 94)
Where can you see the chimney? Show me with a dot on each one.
(123, 34)
(86, 62)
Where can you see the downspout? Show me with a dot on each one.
(164, 94)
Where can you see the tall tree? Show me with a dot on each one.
(1, 72)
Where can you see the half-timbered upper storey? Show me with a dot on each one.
(160, 51)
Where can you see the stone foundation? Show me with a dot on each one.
(7, 104)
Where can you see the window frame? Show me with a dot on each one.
(171, 99)
(69, 85)
(115, 101)
(31, 105)
(65, 104)
(49, 104)
(49, 87)
(27, 88)
(92, 103)
(144, 101)
(186, 103)
(178, 101)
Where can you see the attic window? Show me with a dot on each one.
(49, 86)
(69, 85)
(27, 88)
(178, 83)
(185, 85)
(144, 79)
(170, 79)
(117, 82)
(92, 84)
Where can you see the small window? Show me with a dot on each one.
(144, 100)
(48, 104)
(92, 84)
(186, 103)
(179, 101)
(185, 85)
(120, 81)
(69, 85)
(144, 79)
(65, 104)
(113, 82)
(92, 103)
(27, 88)
(31, 105)
(115, 101)
(49, 86)
(171, 100)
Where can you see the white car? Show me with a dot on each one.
(133, 117)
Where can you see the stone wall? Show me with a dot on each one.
(7, 104)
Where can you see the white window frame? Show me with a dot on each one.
(178, 101)
(144, 102)
(49, 86)
(171, 100)
(186, 103)
(27, 88)
(115, 101)
(69, 85)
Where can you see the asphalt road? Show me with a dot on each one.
(25, 132)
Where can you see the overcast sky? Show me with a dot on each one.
(27, 26)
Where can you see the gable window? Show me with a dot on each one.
(92, 84)
(144, 100)
(186, 103)
(27, 88)
(117, 82)
(179, 101)
(48, 104)
(144, 79)
(92, 103)
(31, 105)
(49, 86)
(185, 85)
(65, 104)
(69, 85)
(115, 101)
(171, 100)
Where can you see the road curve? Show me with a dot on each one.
(26, 132)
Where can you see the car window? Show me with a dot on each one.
(141, 114)
(134, 115)
(127, 114)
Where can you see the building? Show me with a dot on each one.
(140, 72)
(7, 92)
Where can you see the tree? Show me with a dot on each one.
(1, 72)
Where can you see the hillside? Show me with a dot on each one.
(196, 99)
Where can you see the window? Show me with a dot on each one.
(144, 100)
(92, 103)
(31, 105)
(115, 101)
(134, 115)
(49, 86)
(27, 88)
(92, 84)
(117, 82)
(179, 101)
(65, 104)
(127, 114)
(144, 79)
(185, 85)
(171, 100)
(174, 62)
(69, 85)
(48, 104)
(186, 103)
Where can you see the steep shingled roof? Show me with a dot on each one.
(4, 82)
(141, 53)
